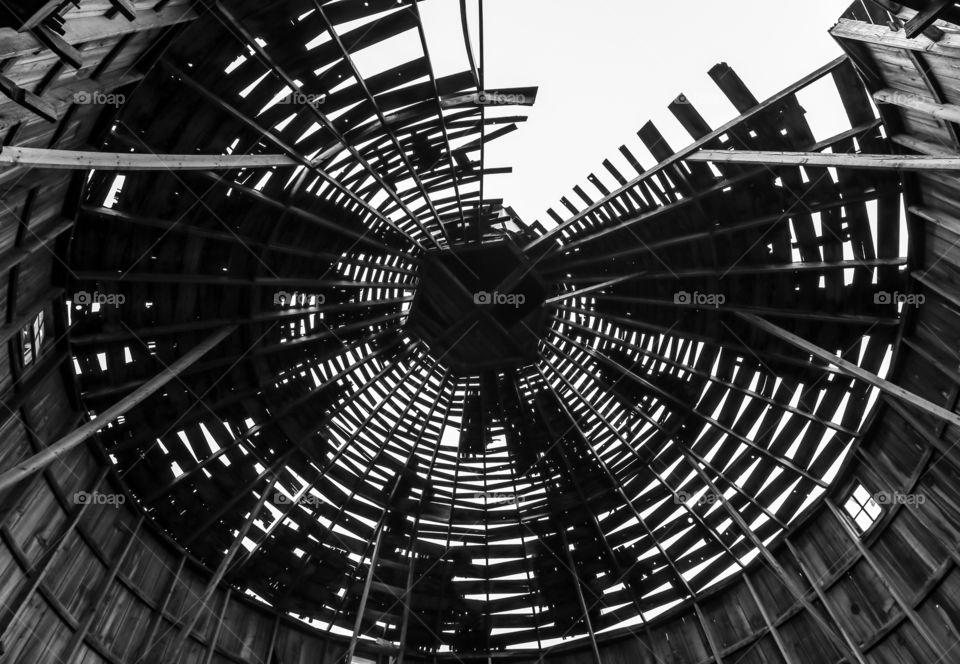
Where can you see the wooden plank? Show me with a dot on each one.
(57, 449)
(925, 18)
(853, 370)
(28, 100)
(858, 161)
(128, 161)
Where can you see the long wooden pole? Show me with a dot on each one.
(131, 161)
(829, 159)
(181, 643)
(47, 456)
(853, 370)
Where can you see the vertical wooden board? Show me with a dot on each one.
(16, 446)
(295, 647)
(75, 576)
(862, 602)
(123, 626)
(907, 553)
(12, 576)
(940, 613)
(37, 525)
(806, 641)
(896, 448)
(628, 651)
(149, 566)
(825, 547)
(940, 486)
(38, 636)
(773, 594)
(732, 615)
(903, 644)
(679, 641)
(246, 631)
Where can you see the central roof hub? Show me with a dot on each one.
(479, 307)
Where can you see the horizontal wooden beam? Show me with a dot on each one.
(130, 161)
(856, 161)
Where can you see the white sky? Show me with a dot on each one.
(606, 67)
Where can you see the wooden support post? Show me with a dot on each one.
(831, 160)
(358, 623)
(774, 632)
(847, 637)
(128, 161)
(212, 646)
(180, 647)
(53, 452)
(853, 370)
(583, 603)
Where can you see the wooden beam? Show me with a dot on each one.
(831, 160)
(28, 100)
(126, 8)
(915, 102)
(129, 161)
(853, 370)
(358, 624)
(56, 450)
(925, 17)
(66, 52)
(181, 642)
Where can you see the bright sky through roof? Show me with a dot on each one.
(606, 67)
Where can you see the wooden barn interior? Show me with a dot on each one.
(283, 384)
